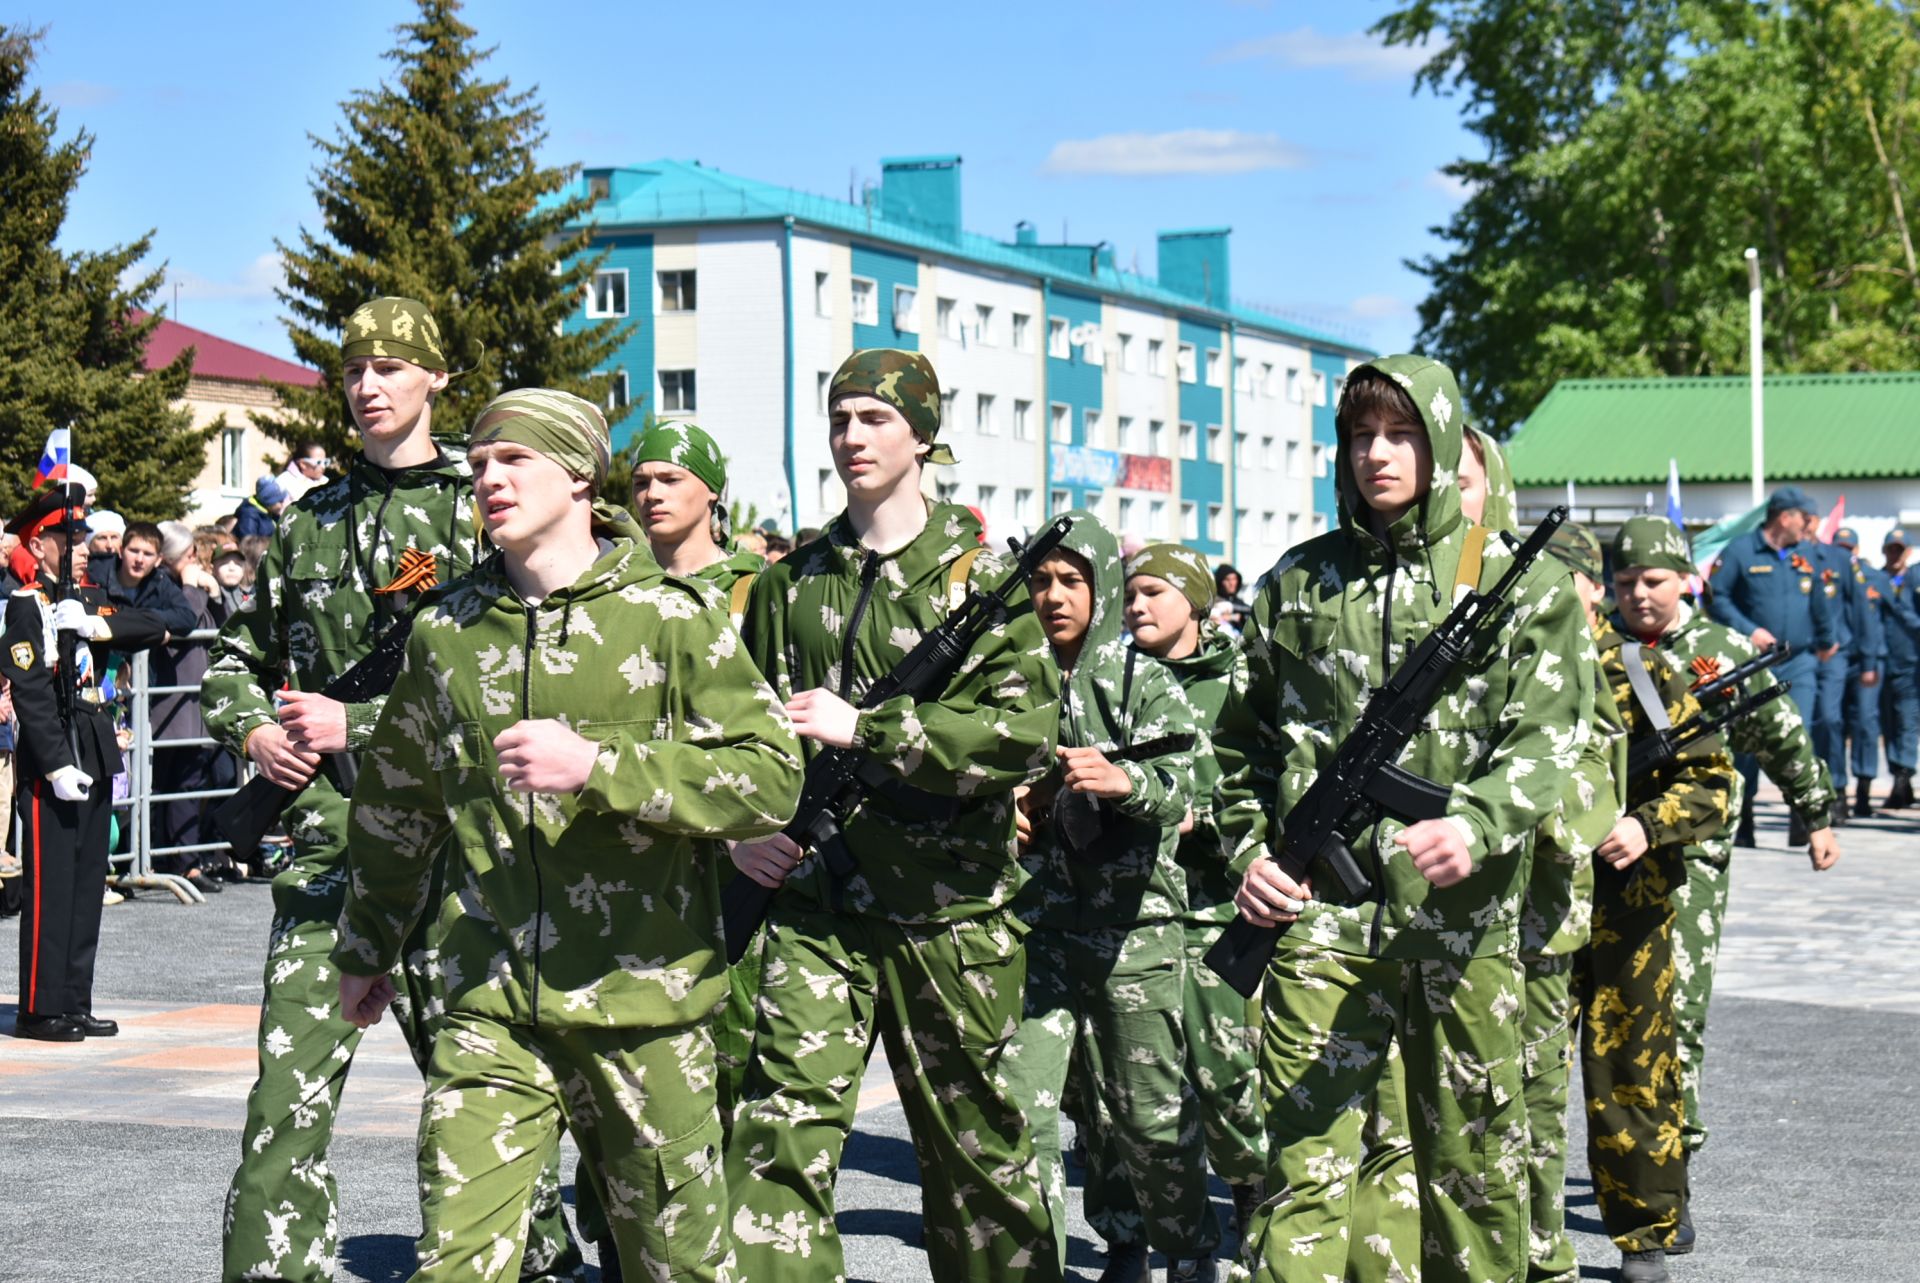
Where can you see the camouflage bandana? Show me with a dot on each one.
(400, 327)
(685, 446)
(560, 425)
(1180, 566)
(1578, 548)
(905, 381)
(1653, 542)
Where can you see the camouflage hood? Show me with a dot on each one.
(1503, 504)
(1436, 395)
(1090, 711)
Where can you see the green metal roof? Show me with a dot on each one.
(672, 192)
(1622, 431)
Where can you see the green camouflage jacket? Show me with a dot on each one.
(569, 910)
(1331, 621)
(833, 614)
(1215, 670)
(1114, 697)
(1686, 800)
(1776, 734)
(316, 605)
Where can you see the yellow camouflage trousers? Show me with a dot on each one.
(1329, 1023)
(945, 1000)
(1629, 1057)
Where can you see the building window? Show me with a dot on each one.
(1060, 422)
(987, 495)
(1128, 510)
(949, 399)
(866, 308)
(1319, 523)
(1269, 386)
(1242, 457)
(1294, 393)
(983, 325)
(1058, 501)
(1213, 367)
(1129, 358)
(1156, 357)
(1269, 453)
(904, 299)
(1156, 437)
(1022, 332)
(233, 459)
(1339, 388)
(1242, 526)
(676, 391)
(1095, 501)
(599, 186)
(983, 416)
(822, 299)
(1091, 351)
(946, 314)
(1023, 420)
(828, 499)
(821, 382)
(1189, 519)
(1090, 428)
(1293, 459)
(616, 388)
(676, 292)
(1269, 528)
(1322, 457)
(1241, 381)
(1319, 387)
(1023, 506)
(1184, 360)
(1157, 518)
(946, 491)
(607, 296)
(1216, 523)
(1127, 435)
(1293, 529)
(1188, 450)
(1216, 444)
(1057, 345)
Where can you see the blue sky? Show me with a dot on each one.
(1279, 119)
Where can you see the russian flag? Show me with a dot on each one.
(1673, 495)
(53, 459)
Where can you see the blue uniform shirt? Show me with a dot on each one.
(1894, 595)
(1758, 586)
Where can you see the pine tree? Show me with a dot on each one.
(72, 335)
(429, 189)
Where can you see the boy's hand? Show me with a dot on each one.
(364, 999)
(542, 755)
(1087, 770)
(1439, 851)
(1268, 897)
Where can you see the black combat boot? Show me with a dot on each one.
(1246, 1201)
(1796, 829)
(1644, 1267)
(1840, 809)
(1900, 797)
(1126, 1263)
(1862, 798)
(1202, 1270)
(610, 1271)
(1683, 1235)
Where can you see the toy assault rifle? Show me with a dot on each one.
(1724, 701)
(840, 779)
(1361, 782)
(1080, 820)
(247, 817)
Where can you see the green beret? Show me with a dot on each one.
(1579, 549)
(400, 327)
(1653, 542)
(570, 431)
(905, 381)
(684, 446)
(1180, 566)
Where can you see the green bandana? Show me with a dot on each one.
(560, 425)
(905, 381)
(1180, 566)
(401, 327)
(1579, 548)
(1654, 542)
(685, 446)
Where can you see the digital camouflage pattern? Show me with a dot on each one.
(684, 445)
(1435, 968)
(904, 380)
(1629, 1055)
(578, 978)
(1654, 542)
(567, 429)
(1184, 568)
(1106, 961)
(920, 948)
(400, 327)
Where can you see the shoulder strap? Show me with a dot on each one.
(737, 598)
(1641, 681)
(1472, 552)
(957, 576)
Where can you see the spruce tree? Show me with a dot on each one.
(429, 189)
(72, 335)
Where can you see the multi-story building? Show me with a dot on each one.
(1158, 402)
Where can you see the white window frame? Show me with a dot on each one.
(946, 318)
(1023, 505)
(689, 282)
(1022, 420)
(1269, 386)
(594, 310)
(1189, 519)
(1156, 358)
(1293, 460)
(693, 376)
(949, 399)
(1241, 378)
(1058, 345)
(1216, 443)
(1157, 518)
(1091, 427)
(1322, 459)
(1059, 501)
(1129, 357)
(822, 380)
(1022, 332)
(906, 299)
(1319, 387)
(1242, 448)
(1059, 417)
(823, 293)
(1269, 453)
(616, 379)
(1125, 432)
(983, 415)
(870, 314)
(985, 497)
(1215, 371)
(1216, 523)
(1296, 393)
(983, 324)
(233, 459)
(1189, 437)
(1128, 508)
(1157, 438)
(1186, 362)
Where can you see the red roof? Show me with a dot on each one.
(218, 358)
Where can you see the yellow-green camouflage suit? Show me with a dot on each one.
(1106, 960)
(1435, 968)
(1624, 978)
(580, 940)
(315, 612)
(920, 948)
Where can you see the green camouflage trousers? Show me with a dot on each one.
(946, 1000)
(1329, 1021)
(281, 1220)
(1223, 1064)
(640, 1104)
(1699, 909)
(1629, 1059)
(1113, 1002)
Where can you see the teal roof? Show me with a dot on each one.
(1622, 431)
(674, 192)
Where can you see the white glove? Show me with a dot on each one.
(70, 783)
(72, 617)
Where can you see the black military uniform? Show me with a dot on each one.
(64, 839)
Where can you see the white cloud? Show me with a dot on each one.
(1358, 54)
(1455, 189)
(1374, 307)
(257, 280)
(1180, 151)
(81, 94)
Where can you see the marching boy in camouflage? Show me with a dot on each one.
(1433, 960)
(546, 723)
(919, 946)
(351, 557)
(1106, 963)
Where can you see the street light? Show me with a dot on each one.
(1753, 377)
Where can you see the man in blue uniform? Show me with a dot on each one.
(1764, 586)
(1858, 659)
(1900, 679)
(1867, 665)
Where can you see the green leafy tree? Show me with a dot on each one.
(72, 335)
(429, 189)
(1633, 151)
